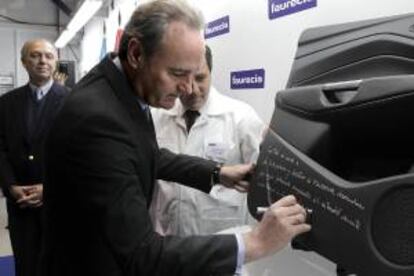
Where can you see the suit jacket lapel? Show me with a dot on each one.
(143, 127)
(122, 89)
(48, 112)
(124, 92)
(22, 102)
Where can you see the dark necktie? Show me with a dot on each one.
(190, 116)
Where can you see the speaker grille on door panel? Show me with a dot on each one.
(393, 226)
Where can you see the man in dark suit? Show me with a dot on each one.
(102, 159)
(26, 114)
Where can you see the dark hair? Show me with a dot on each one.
(209, 58)
(150, 20)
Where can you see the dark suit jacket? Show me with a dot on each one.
(101, 163)
(21, 154)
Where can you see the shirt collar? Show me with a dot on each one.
(212, 106)
(143, 105)
(45, 88)
(118, 64)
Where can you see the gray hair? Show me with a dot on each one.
(26, 46)
(150, 20)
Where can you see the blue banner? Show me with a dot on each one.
(278, 8)
(217, 27)
(248, 79)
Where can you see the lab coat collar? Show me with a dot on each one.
(213, 106)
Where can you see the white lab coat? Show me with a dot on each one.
(227, 131)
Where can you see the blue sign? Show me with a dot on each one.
(278, 8)
(217, 27)
(248, 79)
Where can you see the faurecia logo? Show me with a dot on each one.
(217, 27)
(278, 8)
(248, 79)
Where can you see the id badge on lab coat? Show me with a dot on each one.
(216, 151)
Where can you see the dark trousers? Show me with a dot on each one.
(25, 236)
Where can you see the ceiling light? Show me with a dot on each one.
(82, 16)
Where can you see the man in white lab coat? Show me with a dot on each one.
(210, 125)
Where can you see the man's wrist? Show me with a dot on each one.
(215, 174)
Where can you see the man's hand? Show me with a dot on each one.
(235, 176)
(284, 220)
(30, 196)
